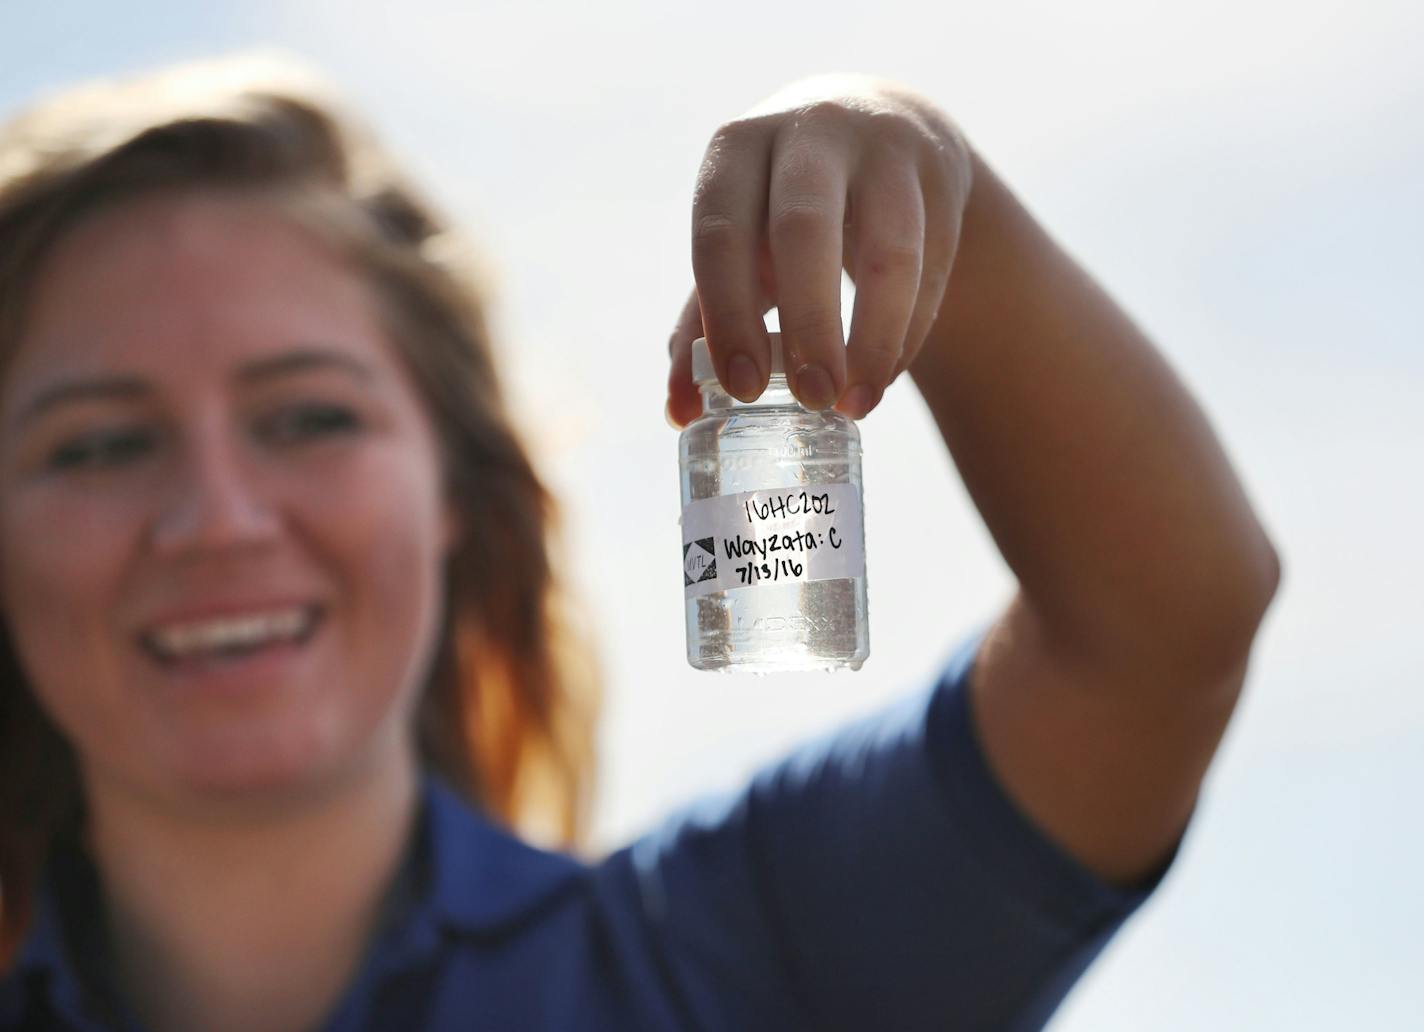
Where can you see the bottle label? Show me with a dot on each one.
(771, 537)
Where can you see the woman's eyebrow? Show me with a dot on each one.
(300, 360)
(129, 388)
(121, 388)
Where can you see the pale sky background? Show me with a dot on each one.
(1245, 177)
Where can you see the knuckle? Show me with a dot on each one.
(904, 130)
(733, 132)
(804, 169)
(821, 111)
(724, 132)
(714, 236)
(727, 140)
(891, 127)
(714, 226)
(892, 258)
(811, 322)
(739, 140)
(801, 217)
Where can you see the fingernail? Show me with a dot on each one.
(745, 380)
(667, 414)
(814, 387)
(859, 400)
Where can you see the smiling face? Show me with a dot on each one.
(221, 513)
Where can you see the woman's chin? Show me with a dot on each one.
(254, 767)
(281, 753)
(245, 784)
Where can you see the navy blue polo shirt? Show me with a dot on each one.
(877, 878)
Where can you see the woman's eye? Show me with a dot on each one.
(101, 450)
(305, 422)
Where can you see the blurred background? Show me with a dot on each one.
(1245, 177)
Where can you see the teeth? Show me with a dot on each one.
(229, 632)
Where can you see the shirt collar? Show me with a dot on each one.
(40, 949)
(483, 878)
(65, 941)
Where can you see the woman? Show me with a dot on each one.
(273, 688)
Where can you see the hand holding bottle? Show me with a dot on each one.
(831, 172)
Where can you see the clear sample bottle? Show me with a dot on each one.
(773, 538)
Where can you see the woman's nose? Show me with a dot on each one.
(216, 501)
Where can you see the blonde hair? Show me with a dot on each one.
(507, 714)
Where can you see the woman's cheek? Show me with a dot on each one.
(65, 549)
(382, 496)
(376, 519)
(63, 587)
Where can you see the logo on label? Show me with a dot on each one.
(699, 561)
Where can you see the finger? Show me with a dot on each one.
(939, 258)
(684, 403)
(727, 213)
(806, 212)
(944, 204)
(888, 261)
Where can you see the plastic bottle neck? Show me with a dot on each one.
(777, 395)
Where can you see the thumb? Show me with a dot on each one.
(684, 404)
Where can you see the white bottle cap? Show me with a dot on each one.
(702, 371)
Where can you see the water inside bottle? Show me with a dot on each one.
(797, 626)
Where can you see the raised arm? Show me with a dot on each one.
(1102, 692)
